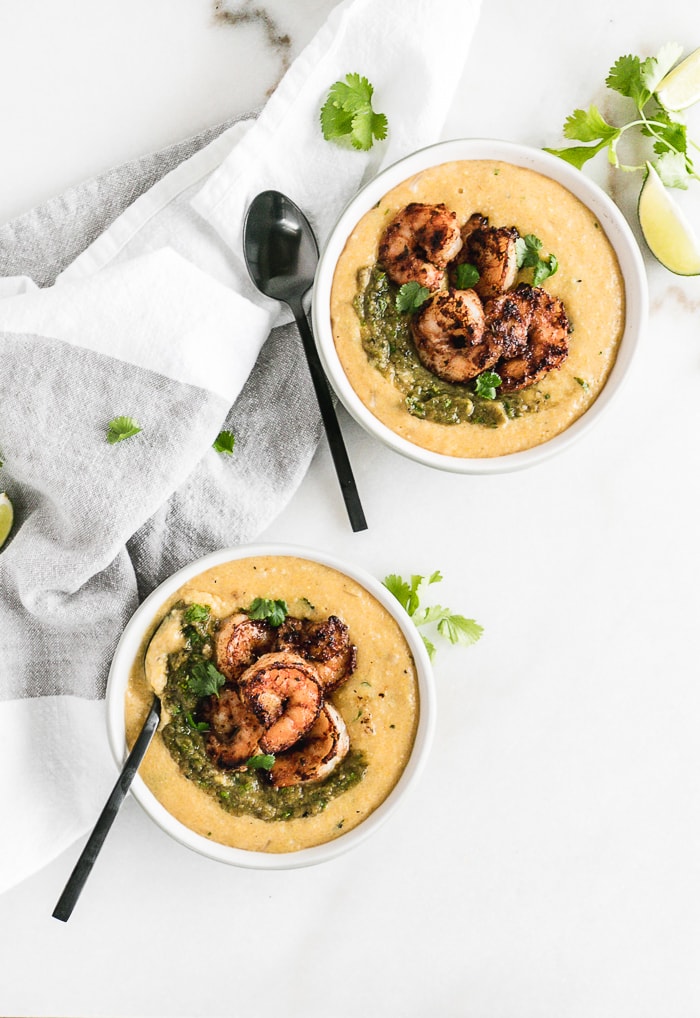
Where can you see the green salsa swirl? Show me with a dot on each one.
(243, 793)
(388, 344)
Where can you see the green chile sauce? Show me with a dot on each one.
(238, 792)
(388, 344)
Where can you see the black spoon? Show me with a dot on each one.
(83, 867)
(281, 255)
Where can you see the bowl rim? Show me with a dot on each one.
(587, 191)
(131, 640)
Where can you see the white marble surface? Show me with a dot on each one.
(547, 865)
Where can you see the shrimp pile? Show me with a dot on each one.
(275, 698)
(519, 332)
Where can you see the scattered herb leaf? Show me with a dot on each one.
(466, 276)
(455, 628)
(347, 114)
(204, 679)
(197, 726)
(274, 612)
(121, 428)
(485, 384)
(411, 296)
(260, 762)
(582, 382)
(196, 613)
(528, 254)
(224, 442)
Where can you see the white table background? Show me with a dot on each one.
(548, 864)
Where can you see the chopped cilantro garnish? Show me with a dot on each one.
(485, 384)
(347, 114)
(455, 628)
(121, 428)
(224, 442)
(197, 726)
(260, 762)
(582, 382)
(204, 679)
(466, 276)
(527, 250)
(411, 296)
(196, 613)
(274, 612)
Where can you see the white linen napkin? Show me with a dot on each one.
(157, 319)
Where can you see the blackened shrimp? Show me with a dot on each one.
(326, 644)
(234, 731)
(492, 251)
(544, 319)
(316, 755)
(284, 693)
(451, 338)
(419, 243)
(240, 641)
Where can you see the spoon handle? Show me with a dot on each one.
(83, 867)
(330, 421)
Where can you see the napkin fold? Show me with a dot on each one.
(128, 295)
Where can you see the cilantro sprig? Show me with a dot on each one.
(636, 79)
(120, 428)
(274, 612)
(455, 628)
(347, 114)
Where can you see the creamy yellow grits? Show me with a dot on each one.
(588, 281)
(379, 702)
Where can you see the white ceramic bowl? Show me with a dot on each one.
(607, 213)
(128, 648)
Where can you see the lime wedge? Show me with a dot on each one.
(680, 88)
(6, 517)
(666, 230)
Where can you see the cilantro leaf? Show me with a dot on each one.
(673, 169)
(196, 613)
(485, 384)
(347, 114)
(545, 268)
(459, 630)
(224, 442)
(197, 726)
(453, 627)
(588, 125)
(411, 296)
(121, 428)
(528, 255)
(260, 762)
(466, 276)
(527, 250)
(625, 77)
(274, 612)
(577, 155)
(204, 679)
(406, 592)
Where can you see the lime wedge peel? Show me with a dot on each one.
(680, 88)
(666, 230)
(6, 517)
